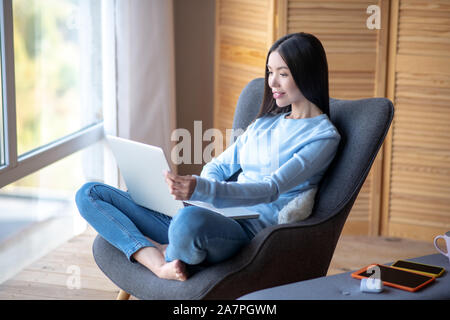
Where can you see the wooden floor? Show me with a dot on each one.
(55, 275)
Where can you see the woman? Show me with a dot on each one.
(302, 143)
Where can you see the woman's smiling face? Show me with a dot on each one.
(284, 89)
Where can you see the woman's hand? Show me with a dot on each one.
(181, 187)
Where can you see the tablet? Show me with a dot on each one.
(393, 277)
(426, 269)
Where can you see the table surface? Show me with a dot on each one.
(344, 287)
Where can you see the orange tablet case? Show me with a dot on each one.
(430, 279)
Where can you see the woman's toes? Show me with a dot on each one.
(174, 270)
(180, 270)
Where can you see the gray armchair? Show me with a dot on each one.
(283, 253)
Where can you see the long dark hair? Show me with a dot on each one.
(306, 59)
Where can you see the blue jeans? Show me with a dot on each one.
(194, 235)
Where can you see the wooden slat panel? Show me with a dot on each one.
(242, 37)
(424, 32)
(414, 230)
(359, 62)
(243, 14)
(242, 54)
(419, 205)
(349, 44)
(360, 208)
(242, 33)
(414, 63)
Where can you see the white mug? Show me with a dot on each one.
(446, 238)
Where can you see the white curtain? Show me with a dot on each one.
(145, 72)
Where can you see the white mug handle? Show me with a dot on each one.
(437, 247)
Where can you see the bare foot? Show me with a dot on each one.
(154, 259)
(174, 270)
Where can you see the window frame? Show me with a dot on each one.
(17, 167)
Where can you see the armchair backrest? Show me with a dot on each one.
(363, 125)
(248, 104)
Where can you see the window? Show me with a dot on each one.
(58, 69)
(53, 91)
(39, 196)
(38, 213)
(2, 144)
(52, 67)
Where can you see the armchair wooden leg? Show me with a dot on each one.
(123, 295)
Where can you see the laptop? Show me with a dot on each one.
(142, 166)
